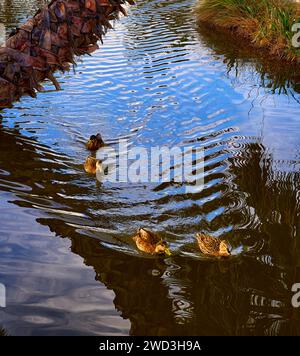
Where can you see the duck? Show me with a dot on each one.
(212, 246)
(95, 142)
(92, 165)
(150, 242)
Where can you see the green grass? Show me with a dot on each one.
(265, 23)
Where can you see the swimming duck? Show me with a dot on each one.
(212, 246)
(92, 165)
(95, 142)
(150, 242)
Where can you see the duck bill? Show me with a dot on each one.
(168, 252)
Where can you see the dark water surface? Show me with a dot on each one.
(66, 257)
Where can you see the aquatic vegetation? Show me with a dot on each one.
(266, 72)
(266, 24)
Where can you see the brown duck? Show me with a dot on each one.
(92, 165)
(95, 142)
(150, 242)
(212, 246)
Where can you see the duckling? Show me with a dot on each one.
(150, 242)
(212, 246)
(95, 142)
(92, 165)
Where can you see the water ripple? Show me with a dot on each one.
(157, 82)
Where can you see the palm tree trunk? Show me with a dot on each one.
(50, 41)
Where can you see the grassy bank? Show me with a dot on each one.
(264, 24)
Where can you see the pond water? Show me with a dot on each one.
(66, 256)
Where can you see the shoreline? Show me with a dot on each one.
(245, 30)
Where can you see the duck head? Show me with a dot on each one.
(95, 142)
(223, 249)
(162, 248)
